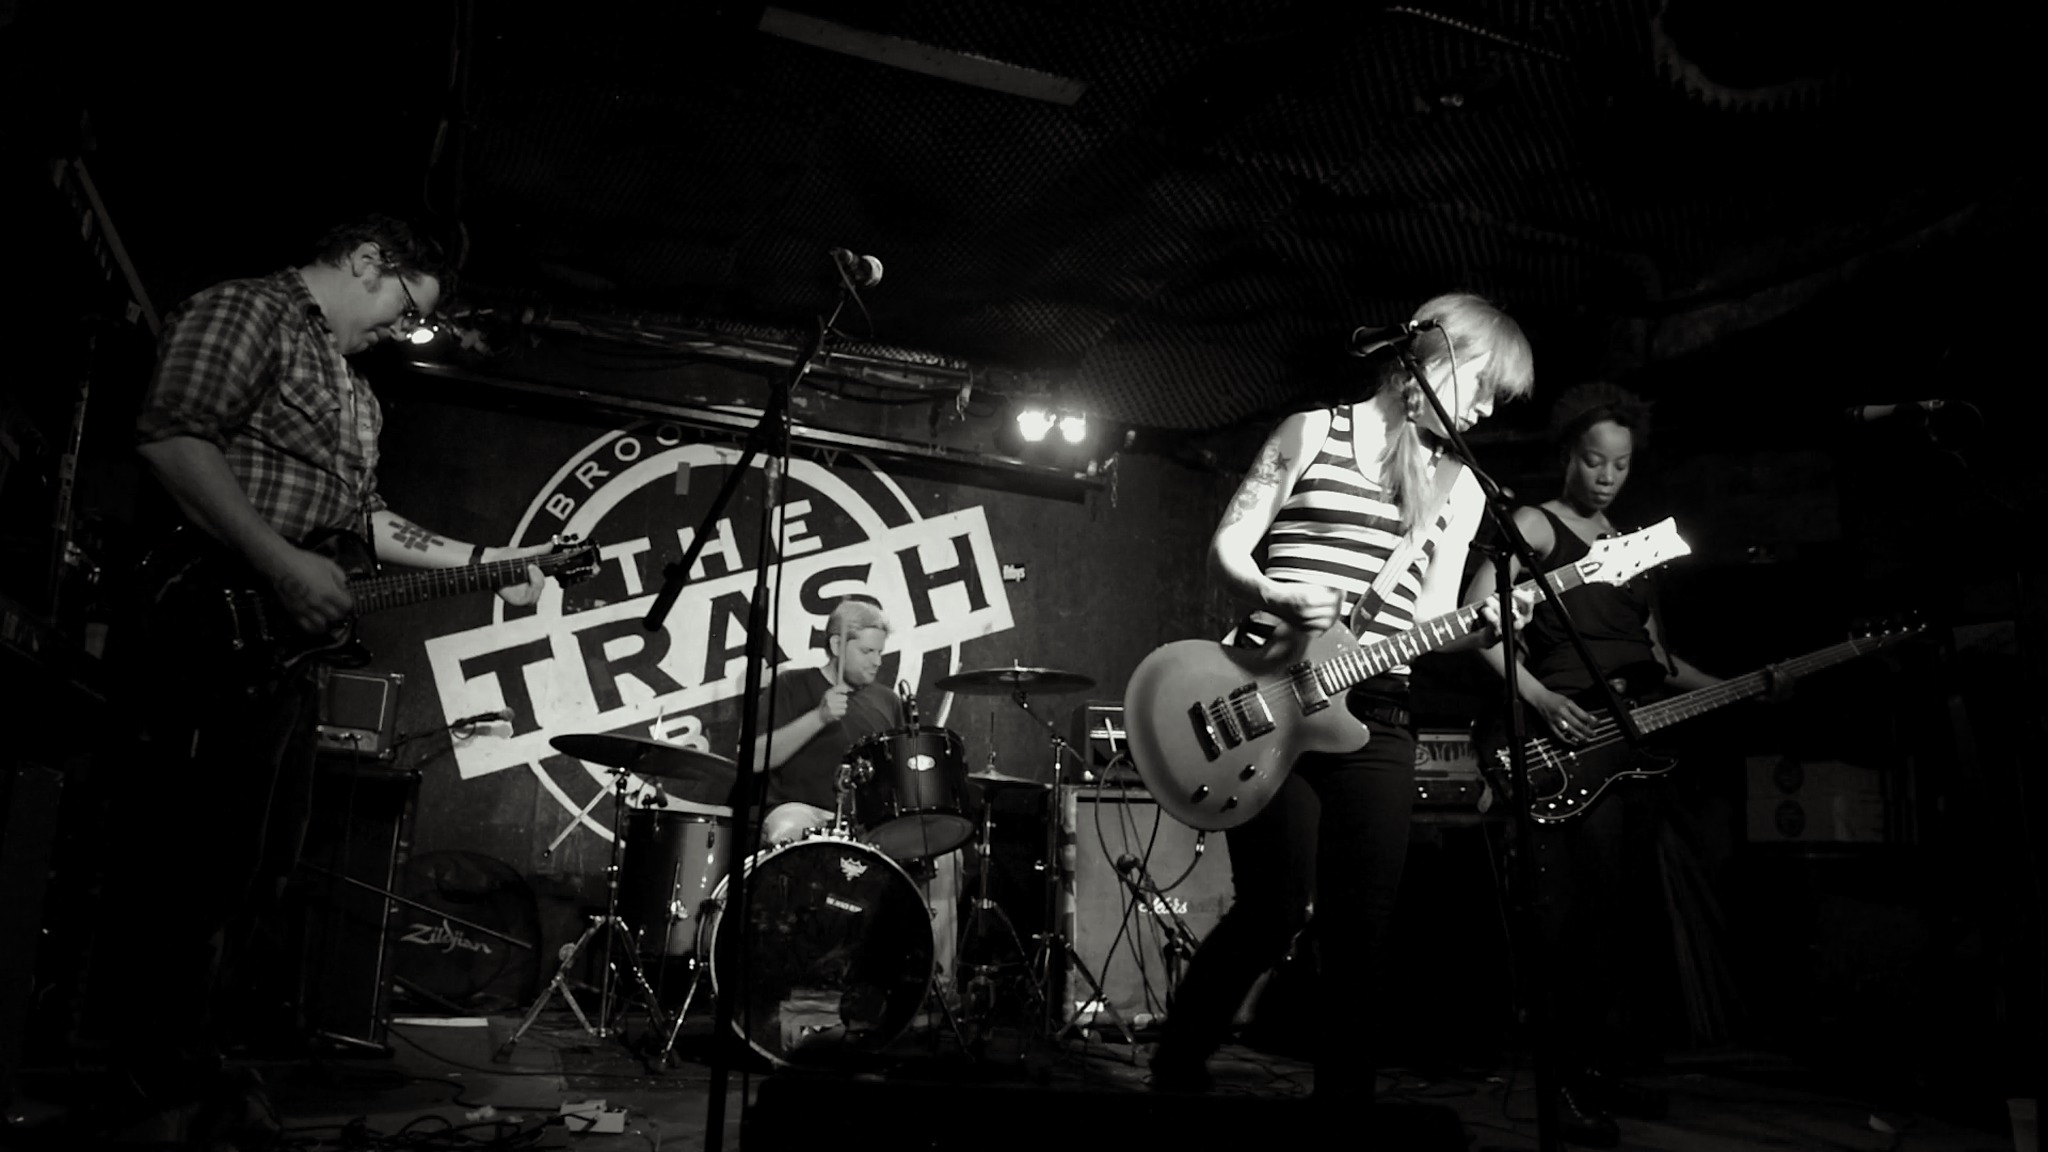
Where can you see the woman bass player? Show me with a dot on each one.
(1335, 497)
(1585, 865)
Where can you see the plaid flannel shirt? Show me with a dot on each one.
(249, 366)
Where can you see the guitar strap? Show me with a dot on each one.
(1408, 554)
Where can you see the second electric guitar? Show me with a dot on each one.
(1214, 729)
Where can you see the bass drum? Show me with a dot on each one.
(838, 958)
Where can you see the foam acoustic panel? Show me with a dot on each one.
(791, 1111)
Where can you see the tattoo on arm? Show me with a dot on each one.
(1266, 472)
(409, 535)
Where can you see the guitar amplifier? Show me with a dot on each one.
(1098, 736)
(359, 713)
(1447, 781)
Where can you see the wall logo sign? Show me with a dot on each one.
(580, 661)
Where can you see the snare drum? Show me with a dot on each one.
(839, 955)
(673, 861)
(909, 792)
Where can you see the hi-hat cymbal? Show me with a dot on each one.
(704, 778)
(1004, 681)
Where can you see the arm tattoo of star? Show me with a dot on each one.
(1266, 473)
(413, 536)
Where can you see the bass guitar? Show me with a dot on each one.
(1215, 729)
(202, 602)
(1568, 778)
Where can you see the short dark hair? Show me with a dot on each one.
(408, 250)
(1583, 405)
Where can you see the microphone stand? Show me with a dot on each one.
(772, 432)
(1180, 940)
(1534, 952)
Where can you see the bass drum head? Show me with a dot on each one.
(839, 956)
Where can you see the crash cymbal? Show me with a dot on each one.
(703, 778)
(998, 780)
(1016, 678)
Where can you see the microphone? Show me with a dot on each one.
(862, 271)
(1366, 339)
(909, 701)
(1865, 413)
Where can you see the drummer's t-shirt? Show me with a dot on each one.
(807, 777)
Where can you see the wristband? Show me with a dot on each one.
(476, 555)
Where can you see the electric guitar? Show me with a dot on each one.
(1568, 778)
(1215, 729)
(202, 602)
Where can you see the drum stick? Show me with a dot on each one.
(945, 709)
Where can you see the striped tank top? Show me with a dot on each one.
(1337, 528)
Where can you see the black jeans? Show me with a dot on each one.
(1599, 904)
(205, 833)
(1335, 838)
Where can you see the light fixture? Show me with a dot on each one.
(1033, 423)
(1074, 427)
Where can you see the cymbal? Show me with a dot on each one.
(1003, 681)
(998, 780)
(706, 779)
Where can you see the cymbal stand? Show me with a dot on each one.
(980, 990)
(611, 925)
(1052, 941)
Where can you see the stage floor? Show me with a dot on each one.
(924, 1092)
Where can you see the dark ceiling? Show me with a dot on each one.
(1183, 247)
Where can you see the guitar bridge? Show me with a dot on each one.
(1205, 733)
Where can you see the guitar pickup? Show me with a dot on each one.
(1205, 733)
(1249, 709)
(1308, 691)
(1226, 724)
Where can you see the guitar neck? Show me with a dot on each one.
(1363, 663)
(377, 593)
(1665, 713)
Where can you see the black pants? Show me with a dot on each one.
(1334, 837)
(205, 832)
(1599, 904)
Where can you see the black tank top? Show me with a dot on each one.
(1614, 619)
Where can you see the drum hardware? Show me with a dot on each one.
(630, 751)
(979, 990)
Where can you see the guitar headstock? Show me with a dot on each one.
(1619, 559)
(572, 560)
(1870, 635)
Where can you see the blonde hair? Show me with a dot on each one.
(854, 614)
(1467, 326)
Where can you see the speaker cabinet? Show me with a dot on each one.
(356, 844)
(1125, 932)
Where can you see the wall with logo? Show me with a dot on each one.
(971, 577)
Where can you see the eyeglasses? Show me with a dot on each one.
(412, 317)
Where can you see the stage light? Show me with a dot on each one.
(1074, 427)
(1034, 423)
(424, 334)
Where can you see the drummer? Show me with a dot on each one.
(821, 713)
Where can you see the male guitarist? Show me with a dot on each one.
(1336, 497)
(262, 434)
(1585, 864)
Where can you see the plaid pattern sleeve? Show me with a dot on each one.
(213, 364)
(248, 366)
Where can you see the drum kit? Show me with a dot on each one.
(838, 953)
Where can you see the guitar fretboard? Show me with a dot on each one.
(376, 593)
(1665, 713)
(1360, 664)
